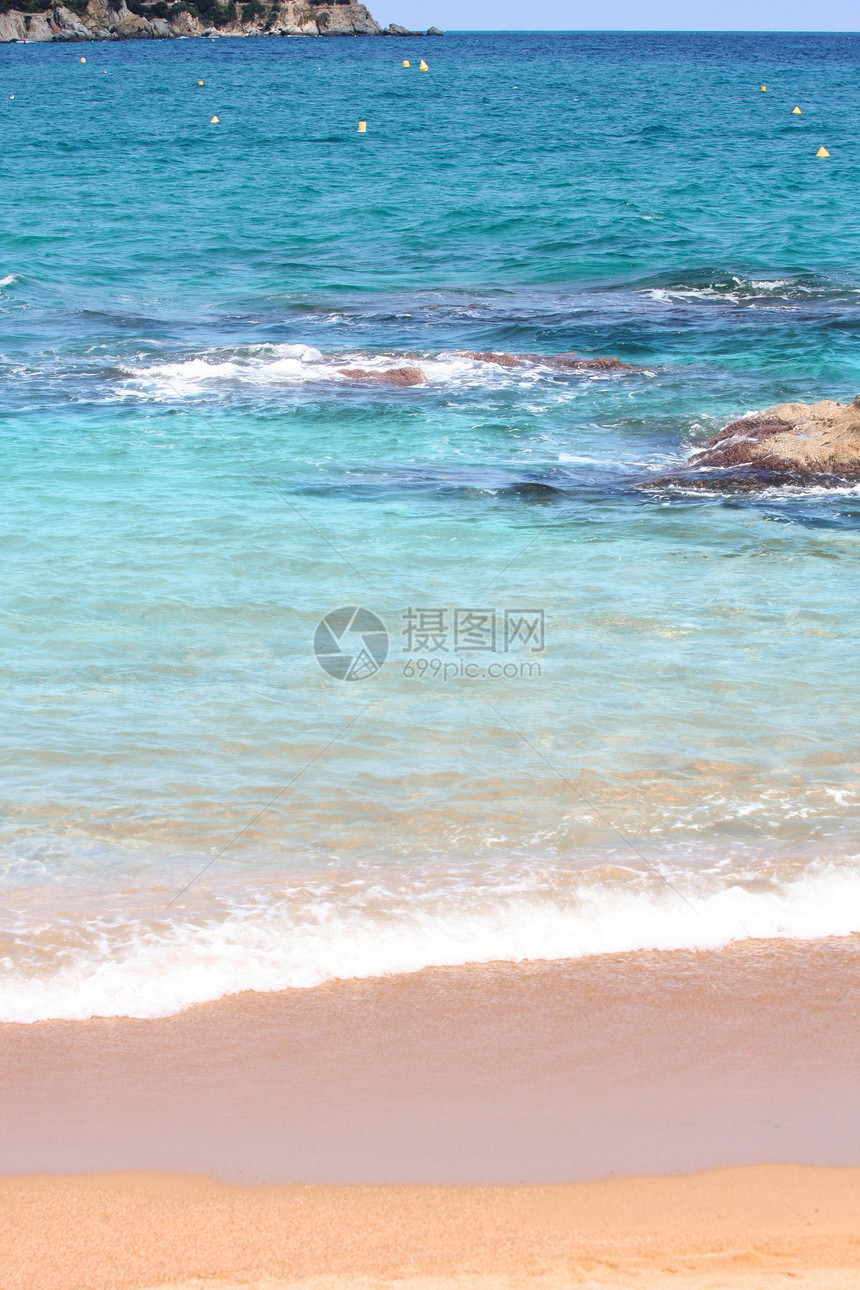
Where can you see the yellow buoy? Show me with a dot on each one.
(795, 111)
(422, 66)
(214, 121)
(362, 127)
(763, 89)
(199, 82)
(406, 62)
(83, 60)
(822, 152)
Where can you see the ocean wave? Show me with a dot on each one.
(714, 286)
(286, 365)
(262, 365)
(10, 279)
(367, 928)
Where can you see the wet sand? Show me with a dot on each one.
(542, 1073)
(743, 1228)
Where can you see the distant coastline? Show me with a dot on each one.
(80, 20)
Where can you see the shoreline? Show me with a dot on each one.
(645, 1063)
(751, 1228)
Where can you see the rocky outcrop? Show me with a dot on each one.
(158, 19)
(389, 376)
(572, 362)
(410, 375)
(790, 443)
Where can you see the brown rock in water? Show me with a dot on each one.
(601, 364)
(491, 356)
(790, 443)
(390, 376)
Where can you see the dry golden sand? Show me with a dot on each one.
(749, 1228)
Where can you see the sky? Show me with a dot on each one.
(620, 15)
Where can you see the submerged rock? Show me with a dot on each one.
(534, 492)
(603, 362)
(573, 362)
(490, 356)
(390, 376)
(790, 443)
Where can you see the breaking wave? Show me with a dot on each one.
(286, 365)
(362, 928)
(718, 287)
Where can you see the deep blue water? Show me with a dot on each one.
(189, 485)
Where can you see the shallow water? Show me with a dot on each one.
(190, 484)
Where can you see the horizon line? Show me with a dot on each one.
(654, 31)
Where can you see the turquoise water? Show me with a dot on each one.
(192, 805)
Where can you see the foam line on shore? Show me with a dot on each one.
(307, 936)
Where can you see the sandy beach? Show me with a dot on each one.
(429, 1132)
(534, 1074)
(747, 1228)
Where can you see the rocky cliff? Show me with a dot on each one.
(159, 19)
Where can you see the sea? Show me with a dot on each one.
(310, 676)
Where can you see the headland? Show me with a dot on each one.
(79, 20)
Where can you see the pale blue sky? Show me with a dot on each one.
(623, 15)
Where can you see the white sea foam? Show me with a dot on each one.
(302, 939)
(9, 279)
(274, 365)
(268, 365)
(735, 291)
